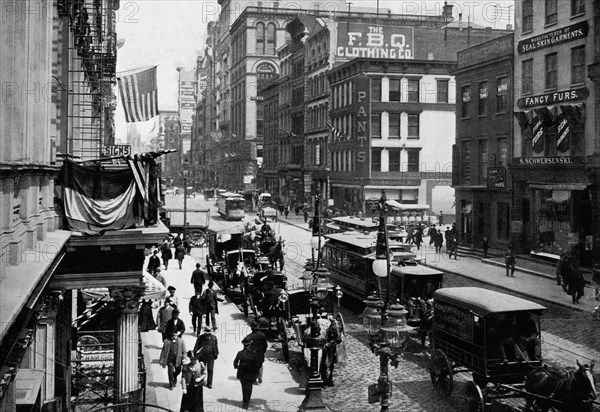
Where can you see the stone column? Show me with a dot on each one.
(127, 302)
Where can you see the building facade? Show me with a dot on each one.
(554, 138)
(484, 129)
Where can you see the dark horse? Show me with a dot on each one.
(329, 357)
(276, 255)
(564, 390)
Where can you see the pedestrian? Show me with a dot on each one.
(247, 362)
(196, 311)
(210, 264)
(509, 261)
(596, 280)
(177, 241)
(447, 237)
(576, 284)
(441, 218)
(171, 357)
(193, 378)
(171, 294)
(175, 325)
(305, 212)
(439, 241)
(452, 245)
(259, 344)
(146, 320)
(165, 313)
(165, 253)
(410, 235)
(207, 350)
(432, 233)
(159, 276)
(180, 254)
(287, 211)
(486, 247)
(209, 300)
(187, 244)
(561, 268)
(418, 238)
(198, 278)
(153, 262)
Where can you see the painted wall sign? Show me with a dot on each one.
(453, 320)
(548, 161)
(554, 97)
(554, 37)
(117, 150)
(375, 41)
(500, 47)
(362, 99)
(496, 178)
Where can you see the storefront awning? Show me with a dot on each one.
(559, 186)
(401, 206)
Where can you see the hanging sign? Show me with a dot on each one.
(537, 130)
(554, 97)
(563, 140)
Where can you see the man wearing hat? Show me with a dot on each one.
(171, 357)
(198, 278)
(247, 362)
(174, 299)
(175, 325)
(193, 376)
(260, 344)
(207, 349)
(153, 262)
(165, 313)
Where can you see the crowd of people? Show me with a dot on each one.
(196, 366)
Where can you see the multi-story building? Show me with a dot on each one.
(593, 160)
(170, 127)
(484, 129)
(554, 191)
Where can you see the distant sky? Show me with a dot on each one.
(172, 33)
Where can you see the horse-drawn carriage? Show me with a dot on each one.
(497, 338)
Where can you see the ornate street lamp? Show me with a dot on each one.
(338, 295)
(314, 341)
(381, 264)
(386, 341)
(185, 169)
(317, 240)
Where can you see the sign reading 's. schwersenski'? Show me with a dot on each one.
(375, 41)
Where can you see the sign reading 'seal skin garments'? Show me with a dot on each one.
(375, 41)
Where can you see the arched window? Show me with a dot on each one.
(260, 38)
(271, 38)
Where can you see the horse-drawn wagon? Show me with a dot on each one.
(197, 222)
(497, 338)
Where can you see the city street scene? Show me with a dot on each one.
(290, 206)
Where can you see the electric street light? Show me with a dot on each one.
(314, 341)
(381, 264)
(185, 170)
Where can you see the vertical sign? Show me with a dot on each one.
(362, 98)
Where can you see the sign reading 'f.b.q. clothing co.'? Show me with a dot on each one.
(375, 41)
(554, 37)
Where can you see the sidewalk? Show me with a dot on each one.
(278, 392)
(532, 279)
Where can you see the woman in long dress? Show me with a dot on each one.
(146, 319)
(192, 380)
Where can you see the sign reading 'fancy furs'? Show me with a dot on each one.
(554, 37)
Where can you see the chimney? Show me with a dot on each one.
(447, 11)
(509, 27)
(459, 21)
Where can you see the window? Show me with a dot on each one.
(271, 38)
(577, 7)
(413, 126)
(394, 126)
(413, 90)
(442, 91)
(484, 160)
(413, 160)
(375, 160)
(394, 157)
(260, 38)
(551, 12)
(578, 65)
(551, 71)
(502, 151)
(376, 90)
(527, 16)
(483, 99)
(466, 98)
(395, 90)
(502, 95)
(260, 116)
(527, 76)
(376, 125)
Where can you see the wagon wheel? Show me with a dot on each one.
(198, 238)
(285, 346)
(440, 370)
(473, 398)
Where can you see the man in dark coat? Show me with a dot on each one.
(509, 261)
(175, 325)
(196, 310)
(197, 278)
(209, 298)
(180, 254)
(153, 262)
(171, 357)
(247, 363)
(259, 344)
(165, 253)
(576, 284)
(207, 349)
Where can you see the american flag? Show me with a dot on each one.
(139, 95)
(336, 132)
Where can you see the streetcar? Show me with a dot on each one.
(231, 206)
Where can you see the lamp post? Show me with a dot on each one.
(386, 340)
(185, 170)
(338, 295)
(314, 342)
(381, 264)
(316, 240)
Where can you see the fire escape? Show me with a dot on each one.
(92, 62)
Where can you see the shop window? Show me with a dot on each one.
(376, 125)
(394, 157)
(503, 151)
(376, 90)
(527, 15)
(413, 126)
(442, 91)
(577, 7)
(394, 129)
(578, 65)
(503, 221)
(376, 160)
(413, 90)
(483, 99)
(395, 90)
(551, 11)
(502, 95)
(413, 160)
(466, 99)
(551, 71)
(527, 76)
